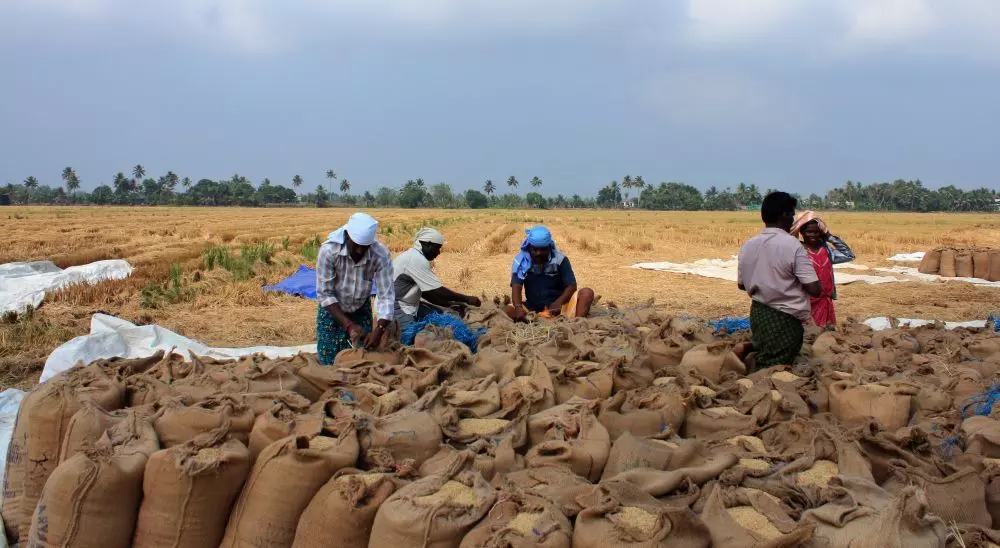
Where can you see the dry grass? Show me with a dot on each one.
(476, 260)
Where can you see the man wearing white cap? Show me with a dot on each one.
(416, 280)
(349, 262)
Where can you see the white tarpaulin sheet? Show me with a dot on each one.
(10, 402)
(114, 337)
(25, 284)
(908, 257)
(882, 323)
(724, 269)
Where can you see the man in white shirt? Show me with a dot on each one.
(775, 270)
(415, 281)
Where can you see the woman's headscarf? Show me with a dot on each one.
(805, 218)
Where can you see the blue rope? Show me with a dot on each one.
(994, 321)
(982, 404)
(730, 325)
(462, 332)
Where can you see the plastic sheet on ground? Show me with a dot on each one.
(114, 337)
(724, 269)
(300, 284)
(914, 273)
(10, 402)
(908, 257)
(24, 285)
(882, 323)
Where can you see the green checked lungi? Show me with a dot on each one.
(776, 335)
(332, 338)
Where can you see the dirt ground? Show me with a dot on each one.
(217, 309)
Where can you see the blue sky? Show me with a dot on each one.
(792, 94)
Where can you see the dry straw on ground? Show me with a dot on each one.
(219, 310)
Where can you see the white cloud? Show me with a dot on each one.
(724, 21)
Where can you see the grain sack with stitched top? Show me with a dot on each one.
(561, 486)
(188, 491)
(982, 436)
(527, 381)
(475, 398)
(343, 511)
(92, 499)
(406, 434)
(625, 516)
(279, 422)
(569, 435)
(587, 380)
(931, 263)
(13, 478)
(643, 412)
(717, 423)
(981, 264)
(964, 267)
(284, 480)
(994, 266)
(177, 423)
(665, 346)
(47, 417)
(629, 452)
(433, 512)
(352, 356)
(86, 427)
(747, 518)
(886, 404)
(146, 389)
(712, 362)
(521, 521)
(960, 497)
(267, 376)
(948, 263)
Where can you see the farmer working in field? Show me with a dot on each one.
(776, 271)
(547, 280)
(825, 250)
(348, 262)
(416, 281)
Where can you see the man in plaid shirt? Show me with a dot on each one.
(348, 265)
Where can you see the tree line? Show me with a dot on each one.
(632, 192)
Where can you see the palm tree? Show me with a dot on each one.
(31, 182)
(639, 184)
(72, 181)
(332, 176)
(536, 182)
(345, 186)
(186, 182)
(627, 181)
(138, 172)
(419, 182)
(489, 188)
(297, 181)
(172, 179)
(512, 182)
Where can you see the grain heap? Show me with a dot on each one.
(629, 428)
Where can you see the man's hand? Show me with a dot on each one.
(555, 311)
(375, 337)
(519, 314)
(474, 301)
(355, 332)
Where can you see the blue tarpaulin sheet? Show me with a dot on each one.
(300, 284)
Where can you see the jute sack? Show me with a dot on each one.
(643, 412)
(177, 423)
(279, 422)
(529, 381)
(48, 415)
(678, 484)
(406, 434)
(712, 362)
(865, 516)
(569, 435)
(284, 480)
(188, 491)
(981, 264)
(92, 499)
(259, 402)
(343, 511)
(747, 518)
(559, 485)
(994, 266)
(347, 358)
(931, 263)
(717, 423)
(13, 478)
(521, 521)
(896, 339)
(587, 380)
(948, 263)
(269, 376)
(433, 512)
(146, 389)
(86, 427)
(887, 404)
(982, 436)
(475, 398)
(625, 516)
(630, 452)
(960, 497)
(964, 267)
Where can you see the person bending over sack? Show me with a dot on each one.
(545, 278)
(775, 270)
(825, 250)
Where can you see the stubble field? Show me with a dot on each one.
(173, 286)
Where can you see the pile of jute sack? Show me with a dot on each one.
(635, 428)
(982, 263)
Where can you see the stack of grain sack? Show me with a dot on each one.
(629, 429)
(982, 263)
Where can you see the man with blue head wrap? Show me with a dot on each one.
(542, 281)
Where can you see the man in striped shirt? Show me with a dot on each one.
(348, 265)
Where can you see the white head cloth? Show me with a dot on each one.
(428, 235)
(361, 227)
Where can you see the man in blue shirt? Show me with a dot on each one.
(542, 281)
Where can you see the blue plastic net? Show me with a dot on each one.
(462, 332)
(730, 325)
(994, 321)
(982, 404)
